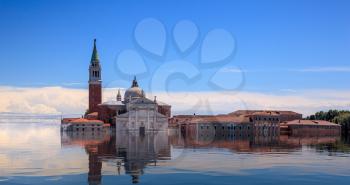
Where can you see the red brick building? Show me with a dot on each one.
(311, 128)
(281, 115)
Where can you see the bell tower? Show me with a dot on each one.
(119, 97)
(95, 83)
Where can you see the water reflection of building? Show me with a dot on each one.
(98, 145)
(137, 151)
(236, 143)
(133, 152)
(251, 143)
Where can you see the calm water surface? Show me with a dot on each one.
(34, 151)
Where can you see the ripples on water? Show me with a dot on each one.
(34, 151)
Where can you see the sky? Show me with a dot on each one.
(278, 48)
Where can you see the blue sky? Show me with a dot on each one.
(280, 45)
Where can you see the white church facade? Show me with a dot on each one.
(142, 114)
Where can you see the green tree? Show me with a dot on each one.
(341, 117)
(343, 120)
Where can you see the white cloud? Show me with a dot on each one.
(58, 100)
(42, 100)
(306, 102)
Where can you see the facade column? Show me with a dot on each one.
(148, 123)
(154, 117)
(129, 121)
(136, 119)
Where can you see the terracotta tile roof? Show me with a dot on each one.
(240, 112)
(83, 120)
(218, 119)
(66, 120)
(311, 122)
(288, 112)
(264, 113)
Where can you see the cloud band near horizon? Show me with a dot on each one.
(61, 100)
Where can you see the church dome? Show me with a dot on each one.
(134, 91)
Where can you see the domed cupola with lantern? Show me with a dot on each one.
(133, 92)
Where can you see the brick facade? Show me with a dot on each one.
(95, 97)
(311, 128)
(107, 114)
(165, 110)
(314, 130)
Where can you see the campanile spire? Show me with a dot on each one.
(94, 56)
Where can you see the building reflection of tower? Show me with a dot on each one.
(129, 150)
(137, 151)
(98, 145)
(97, 153)
(95, 166)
